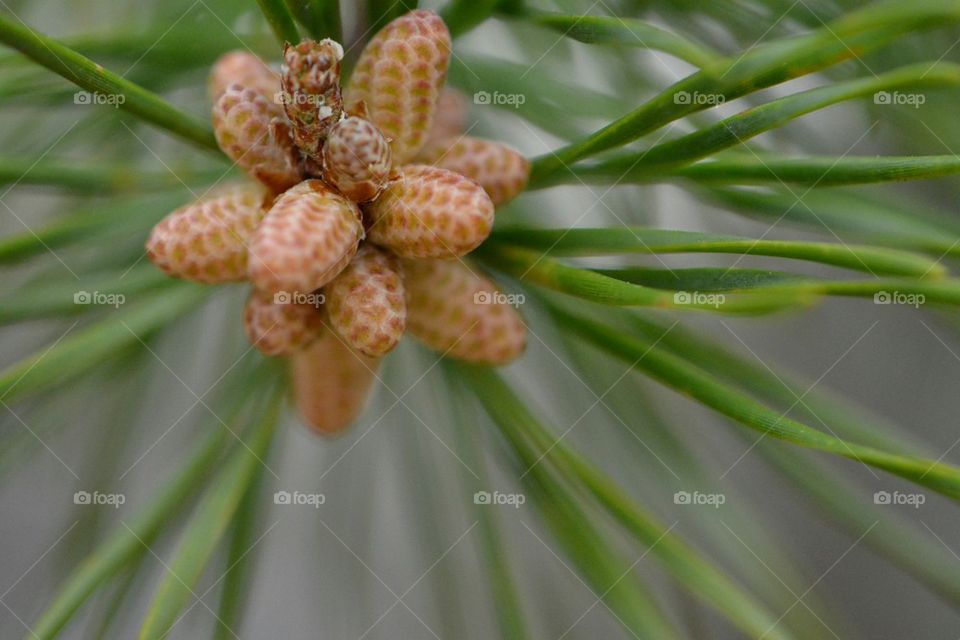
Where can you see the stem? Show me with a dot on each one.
(696, 574)
(735, 130)
(639, 240)
(321, 18)
(627, 32)
(819, 171)
(761, 67)
(677, 374)
(209, 522)
(502, 587)
(99, 180)
(89, 75)
(126, 542)
(277, 14)
(78, 351)
(463, 15)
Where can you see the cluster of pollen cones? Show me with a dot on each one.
(365, 200)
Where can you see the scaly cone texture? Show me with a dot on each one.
(449, 118)
(331, 383)
(278, 325)
(366, 302)
(245, 69)
(206, 241)
(461, 314)
(399, 76)
(306, 239)
(430, 213)
(300, 233)
(357, 159)
(500, 170)
(311, 91)
(248, 130)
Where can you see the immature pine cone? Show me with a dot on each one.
(501, 171)
(331, 383)
(311, 91)
(460, 314)
(356, 159)
(366, 302)
(245, 69)
(206, 241)
(398, 77)
(278, 325)
(306, 239)
(248, 130)
(430, 213)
